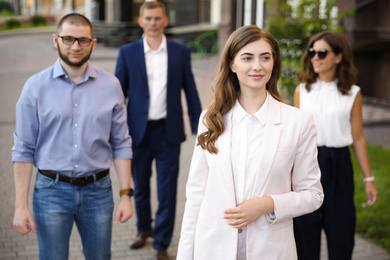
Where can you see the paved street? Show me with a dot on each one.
(24, 54)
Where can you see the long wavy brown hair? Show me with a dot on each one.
(346, 73)
(226, 84)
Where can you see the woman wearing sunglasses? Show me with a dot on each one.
(329, 94)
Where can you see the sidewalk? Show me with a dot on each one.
(24, 55)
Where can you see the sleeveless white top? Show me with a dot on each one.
(331, 111)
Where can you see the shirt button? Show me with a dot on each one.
(75, 125)
(75, 105)
(76, 166)
(75, 145)
(239, 230)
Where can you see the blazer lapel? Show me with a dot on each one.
(224, 157)
(170, 51)
(271, 139)
(140, 58)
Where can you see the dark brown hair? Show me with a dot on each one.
(75, 19)
(345, 71)
(226, 84)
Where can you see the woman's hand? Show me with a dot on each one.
(371, 192)
(248, 211)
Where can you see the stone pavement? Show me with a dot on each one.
(23, 54)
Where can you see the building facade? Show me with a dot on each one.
(368, 30)
(369, 34)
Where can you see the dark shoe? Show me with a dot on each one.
(140, 240)
(162, 255)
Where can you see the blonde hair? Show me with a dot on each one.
(151, 5)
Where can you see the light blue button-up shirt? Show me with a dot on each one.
(76, 129)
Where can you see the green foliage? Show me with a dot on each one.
(293, 27)
(12, 23)
(6, 7)
(374, 222)
(6, 13)
(37, 20)
(200, 42)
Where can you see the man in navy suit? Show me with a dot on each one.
(152, 72)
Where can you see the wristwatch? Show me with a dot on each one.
(128, 192)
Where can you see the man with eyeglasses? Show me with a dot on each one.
(71, 125)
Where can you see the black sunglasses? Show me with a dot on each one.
(321, 53)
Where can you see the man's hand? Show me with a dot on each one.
(124, 210)
(24, 221)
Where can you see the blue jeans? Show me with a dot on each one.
(57, 205)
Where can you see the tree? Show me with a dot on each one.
(293, 23)
(5, 8)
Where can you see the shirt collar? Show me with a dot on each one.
(162, 47)
(58, 71)
(317, 85)
(239, 112)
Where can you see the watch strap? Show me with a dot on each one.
(129, 192)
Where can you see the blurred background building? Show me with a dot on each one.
(205, 24)
(369, 33)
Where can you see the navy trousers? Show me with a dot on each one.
(337, 214)
(155, 146)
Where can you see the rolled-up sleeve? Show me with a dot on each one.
(120, 139)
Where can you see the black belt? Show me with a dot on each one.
(155, 123)
(75, 181)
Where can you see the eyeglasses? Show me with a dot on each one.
(321, 53)
(69, 40)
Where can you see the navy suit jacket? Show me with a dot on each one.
(131, 72)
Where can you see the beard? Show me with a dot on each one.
(77, 64)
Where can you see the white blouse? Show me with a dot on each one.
(331, 111)
(247, 140)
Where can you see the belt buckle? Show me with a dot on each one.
(78, 181)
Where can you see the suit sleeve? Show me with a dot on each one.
(307, 194)
(121, 71)
(195, 189)
(193, 102)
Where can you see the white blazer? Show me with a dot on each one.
(289, 174)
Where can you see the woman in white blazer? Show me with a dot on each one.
(254, 167)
